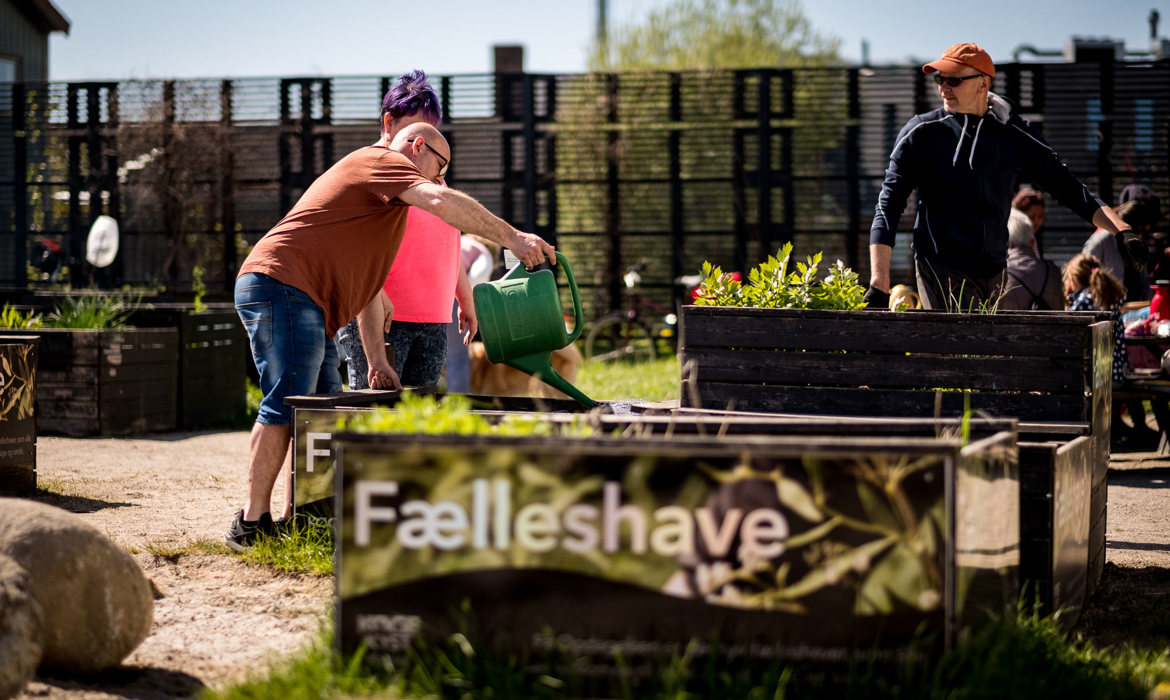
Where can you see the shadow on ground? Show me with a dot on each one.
(133, 683)
(1131, 607)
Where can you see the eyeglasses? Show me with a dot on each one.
(953, 82)
(443, 162)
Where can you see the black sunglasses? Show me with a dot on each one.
(953, 82)
(442, 161)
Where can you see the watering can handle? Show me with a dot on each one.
(578, 313)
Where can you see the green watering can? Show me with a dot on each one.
(521, 323)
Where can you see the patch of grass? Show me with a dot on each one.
(656, 380)
(306, 548)
(174, 551)
(1016, 658)
(52, 486)
(253, 399)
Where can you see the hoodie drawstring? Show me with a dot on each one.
(959, 145)
(974, 141)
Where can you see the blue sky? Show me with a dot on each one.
(152, 39)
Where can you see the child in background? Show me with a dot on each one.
(1088, 287)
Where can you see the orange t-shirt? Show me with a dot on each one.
(421, 283)
(339, 240)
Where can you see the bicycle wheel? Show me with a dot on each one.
(617, 338)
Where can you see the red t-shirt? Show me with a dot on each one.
(339, 240)
(421, 283)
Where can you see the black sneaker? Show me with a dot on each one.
(243, 534)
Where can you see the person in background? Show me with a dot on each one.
(1141, 209)
(425, 283)
(324, 263)
(965, 159)
(1031, 203)
(421, 288)
(1088, 286)
(1033, 282)
(476, 261)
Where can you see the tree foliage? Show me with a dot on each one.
(729, 34)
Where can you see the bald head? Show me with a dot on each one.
(425, 147)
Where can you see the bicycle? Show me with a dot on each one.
(642, 331)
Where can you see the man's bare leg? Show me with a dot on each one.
(269, 447)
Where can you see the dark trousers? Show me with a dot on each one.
(955, 291)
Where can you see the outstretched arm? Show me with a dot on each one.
(464, 213)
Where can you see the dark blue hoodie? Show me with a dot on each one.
(966, 169)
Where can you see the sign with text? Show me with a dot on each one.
(793, 546)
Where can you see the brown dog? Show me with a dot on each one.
(489, 379)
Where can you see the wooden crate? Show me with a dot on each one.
(1038, 367)
(214, 358)
(565, 541)
(103, 382)
(18, 429)
(316, 418)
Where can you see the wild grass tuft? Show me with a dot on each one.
(304, 548)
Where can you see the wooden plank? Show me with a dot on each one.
(1034, 335)
(1055, 375)
(875, 402)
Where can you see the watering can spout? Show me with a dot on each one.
(522, 323)
(540, 366)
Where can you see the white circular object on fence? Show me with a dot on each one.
(102, 244)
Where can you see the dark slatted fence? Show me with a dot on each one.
(665, 169)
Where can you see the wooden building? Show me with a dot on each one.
(25, 26)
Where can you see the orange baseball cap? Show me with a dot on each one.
(961, 55)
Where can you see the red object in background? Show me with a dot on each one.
(1160, 304)
(726, 275)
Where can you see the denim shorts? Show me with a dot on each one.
(286, 330)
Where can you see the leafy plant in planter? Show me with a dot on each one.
(772, 286)
(453, 415)
(11, 317)
(101, 312)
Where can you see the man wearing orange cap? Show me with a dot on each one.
(965, 160)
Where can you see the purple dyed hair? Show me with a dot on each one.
(413, 94)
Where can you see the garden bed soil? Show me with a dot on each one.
(218, 620)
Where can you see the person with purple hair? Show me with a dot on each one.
(323, 263)
(420, 290)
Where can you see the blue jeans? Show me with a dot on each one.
(287, 333)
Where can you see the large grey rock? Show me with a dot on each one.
(20, 629)
(96, 603)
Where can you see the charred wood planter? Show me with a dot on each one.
(106, 382)
(213, 361)
(1049, 370)
(18, 430)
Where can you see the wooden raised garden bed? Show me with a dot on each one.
(777, 547)
(18, 429)
(214, 358)
(1049, 370)
(106, 382)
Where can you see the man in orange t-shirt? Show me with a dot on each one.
(302, 281)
